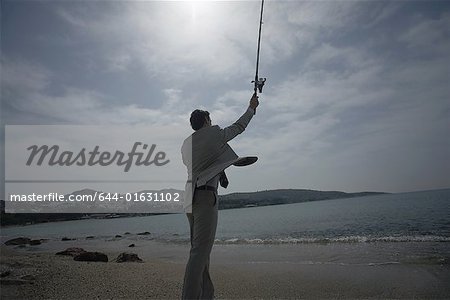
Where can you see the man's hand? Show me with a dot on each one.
(254, 101)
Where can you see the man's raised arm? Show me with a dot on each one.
(230, 132)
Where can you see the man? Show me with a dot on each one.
(206, 154)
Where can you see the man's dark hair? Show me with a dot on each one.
(198, 118)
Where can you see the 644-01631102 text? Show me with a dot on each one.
(141, 196)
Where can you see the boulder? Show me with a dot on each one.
(18, 241)
(5, 273)
(144, 233)
(35, 242)
(67, 239)
(128, 257)
(118, 236)
(131, 245)
(72, 251)
(91, 256)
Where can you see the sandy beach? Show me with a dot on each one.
(238, 271)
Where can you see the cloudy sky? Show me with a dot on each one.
(357, 96)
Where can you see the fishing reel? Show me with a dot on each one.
(259, 84)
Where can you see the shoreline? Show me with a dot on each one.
(238, 271)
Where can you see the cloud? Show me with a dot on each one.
(23, 76)
(431, 36)
(323, 14)
(24, 91)
(385, 11)
(378, 123)
(176, 41)
(357, 94)
(341, 59)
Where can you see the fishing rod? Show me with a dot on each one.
(259, 82)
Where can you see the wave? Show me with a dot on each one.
(271, 241)
(342, 239)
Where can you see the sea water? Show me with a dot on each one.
(418, 216)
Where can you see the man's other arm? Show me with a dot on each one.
(186, 152)
(230, 132)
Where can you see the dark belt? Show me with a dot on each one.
(206, 187)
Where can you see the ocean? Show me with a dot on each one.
(406, 217)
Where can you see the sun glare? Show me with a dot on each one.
(202, 19)
(201, 12)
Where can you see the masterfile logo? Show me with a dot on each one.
(53, 156)
(110, 169)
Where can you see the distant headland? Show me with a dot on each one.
(229, 201)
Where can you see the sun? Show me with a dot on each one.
(201, 12)
(201, 20)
